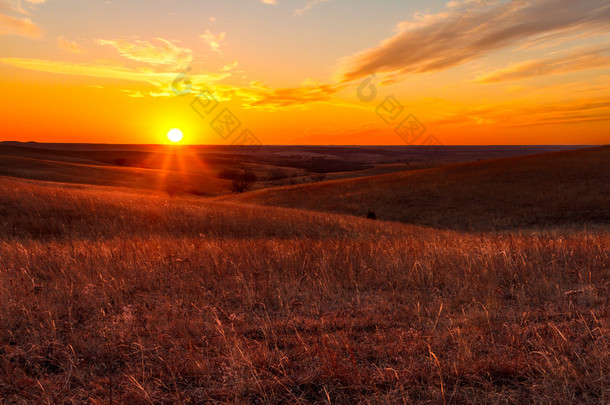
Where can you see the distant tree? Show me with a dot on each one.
(242, 181)
(371, 215)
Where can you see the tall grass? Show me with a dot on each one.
(112, 297)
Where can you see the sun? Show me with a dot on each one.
(175, 135)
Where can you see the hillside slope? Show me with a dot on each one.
(122, 296)
(553, 189)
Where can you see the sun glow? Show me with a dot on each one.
(175, 135)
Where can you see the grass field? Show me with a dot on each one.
(112, 295)
(560, 188)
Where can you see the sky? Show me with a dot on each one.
(340, 72)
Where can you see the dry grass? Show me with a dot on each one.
(567, 188)
(114, 297)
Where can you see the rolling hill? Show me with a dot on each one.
(118, 295)
(551, 189)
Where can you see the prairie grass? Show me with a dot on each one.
(108, 296)
(562, 188)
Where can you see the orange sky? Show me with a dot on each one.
(306, 72)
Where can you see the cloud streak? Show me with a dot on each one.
(308, 6)
(162, 53)
(260, 97)
(470, 29)
(67, 46)
(255, 96)
(213, 40)
(542, 114)
(582, 59)
(15, 20)
(161, 79)
(19, 26)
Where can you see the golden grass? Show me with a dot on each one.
(115, 297)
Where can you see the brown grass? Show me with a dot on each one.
(115, 297)
(562, 188)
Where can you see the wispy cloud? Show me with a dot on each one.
(162, 53)
(308, 6)
(65, 45)
(213, 40)
(261, 97)
(15, 20)
(255, 96)
(581, 59)
(269, 2)
(19, 26)
(469, 29)
(511, 115)
(160, 79)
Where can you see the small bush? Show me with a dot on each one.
(243, 181)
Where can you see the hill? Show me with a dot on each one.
(551, 189)
(202, 170)
(113, 296)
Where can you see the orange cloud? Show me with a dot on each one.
(537, 114)
(68, 46)
(256, 96)
(213, 40)
(165, 53)
(260, 97)
(14, 20)
(160, 79)
(470, 29)
(582, 59)
(18, 26)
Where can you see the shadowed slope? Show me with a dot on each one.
(551, 189)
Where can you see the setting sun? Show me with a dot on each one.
(175, 135)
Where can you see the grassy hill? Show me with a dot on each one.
(552, 189)
(116, 293)
(111, 296)
(199, 169)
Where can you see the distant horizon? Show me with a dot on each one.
(292, 145)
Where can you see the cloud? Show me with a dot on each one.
(15, 20)
(19, 26)
(68, 46)
(470, 29)
(308, 6)
(213, 40)
(565, 113)
(164, 53)
(582, 59)
(261, 97)
(514, 115)
(256, 96)
(14, 6)
(160, 79)
(269, 2)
